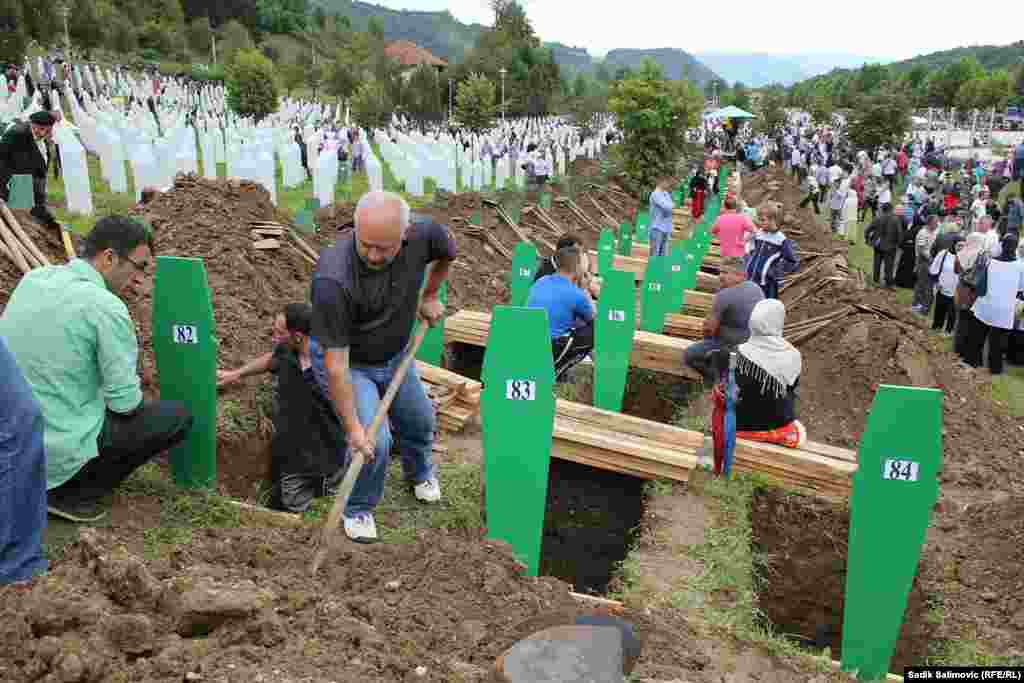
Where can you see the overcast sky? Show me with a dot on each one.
(877, 28)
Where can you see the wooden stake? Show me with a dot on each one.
(13, 247)
(15, 226)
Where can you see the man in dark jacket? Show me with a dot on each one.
(23, 151)
(885, 235)
(1018, 166)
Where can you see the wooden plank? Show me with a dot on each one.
(651, 351)
(267, 244)
(269, 232)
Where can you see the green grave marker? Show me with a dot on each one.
(432, 347)
(656, 299)
(304, 222)
(524, 267)
(605, 251)
(518, 411)
(677, 265)
(514, 209)
(643, 222)
(20, 192)
(625, 239)
(545, 201)
(613, 338)
(894, 490)
(185, 346)
(476, 218)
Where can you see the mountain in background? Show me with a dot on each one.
(439, 32)
(990, 57)
(450, 39)
(759, 70)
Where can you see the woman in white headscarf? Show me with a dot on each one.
(767, 374)
(965, 295)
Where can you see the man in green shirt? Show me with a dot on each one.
(74, 340)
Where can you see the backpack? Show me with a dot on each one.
(973, 283)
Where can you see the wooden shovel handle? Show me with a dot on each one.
(356, 464)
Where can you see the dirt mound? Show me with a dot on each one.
(981, 550)
(239, 605)
(211, 219)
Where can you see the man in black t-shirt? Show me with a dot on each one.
(304, 458)
(365, 292)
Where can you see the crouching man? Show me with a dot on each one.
(303, 452)
(72, 336)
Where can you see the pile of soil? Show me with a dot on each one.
(239, 605)
(980, 555)
(802, 590)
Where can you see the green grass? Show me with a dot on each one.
(401, 518)
(1008, 390)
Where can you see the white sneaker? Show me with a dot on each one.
(429, 491)
(361, 528)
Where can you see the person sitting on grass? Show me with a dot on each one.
(570, 310)
(73, 338)
(767, 374)
(303, 451)
(772, 256)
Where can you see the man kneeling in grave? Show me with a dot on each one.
(303, 452)
(570, 311)
(74, 340)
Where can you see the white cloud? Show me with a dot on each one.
(868, 27)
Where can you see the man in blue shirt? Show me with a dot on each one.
(661, 206)
(570, 310)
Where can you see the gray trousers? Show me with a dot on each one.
(924, 291)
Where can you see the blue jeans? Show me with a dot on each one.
(411, 416)
(659, 243)
(22, 476)
(699, 357)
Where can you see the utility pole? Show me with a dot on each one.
(65, 10)
(503, 72)
(449, 101)
(213, 41)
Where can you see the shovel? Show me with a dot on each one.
(356, 465)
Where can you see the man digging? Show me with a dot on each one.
(365, 292)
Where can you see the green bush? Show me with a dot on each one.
(213, 74)
(252, 85)
(150, 55)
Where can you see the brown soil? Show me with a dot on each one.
(804, 545)
(239, 605)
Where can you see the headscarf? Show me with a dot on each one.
(766, 355)
(972, 249)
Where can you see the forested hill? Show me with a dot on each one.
(989, 56)
(439, 32)
(450, 39)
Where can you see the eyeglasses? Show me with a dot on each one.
(141, 267)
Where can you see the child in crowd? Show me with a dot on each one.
(773, 255)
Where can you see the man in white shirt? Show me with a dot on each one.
(889, 171)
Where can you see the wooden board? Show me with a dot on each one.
(642, 448)
(267, 244)
(651, 351)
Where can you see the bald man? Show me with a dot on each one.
(365, 292)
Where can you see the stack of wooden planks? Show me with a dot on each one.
(657, 352)
(456, 398)
(638, 266)
(816, 469)
(697, 304)
(622, 443)
(17, 245)
(642, 448)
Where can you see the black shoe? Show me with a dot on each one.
(79, 512)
